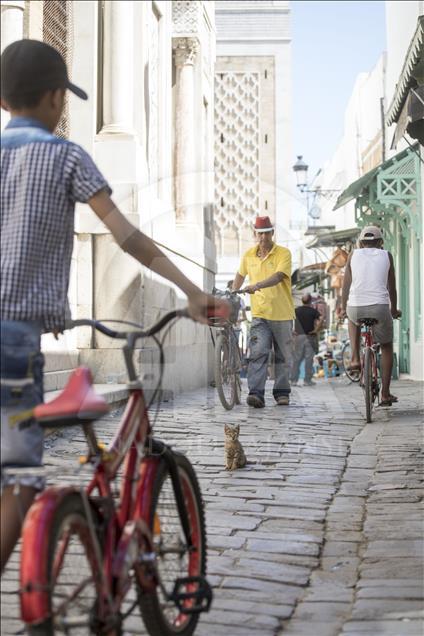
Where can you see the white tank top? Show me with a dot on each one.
(370, 269)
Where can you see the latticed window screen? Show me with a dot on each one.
(57, 31)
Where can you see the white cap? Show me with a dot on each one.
(370, 233)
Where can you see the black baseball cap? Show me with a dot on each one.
(30, 66)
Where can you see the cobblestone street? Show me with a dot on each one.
(321, 533)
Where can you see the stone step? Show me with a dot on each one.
(114, 394)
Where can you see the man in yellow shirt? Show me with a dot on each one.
(268, 267)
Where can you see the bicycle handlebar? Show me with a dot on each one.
(145, 333)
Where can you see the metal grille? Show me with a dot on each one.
(57, 31)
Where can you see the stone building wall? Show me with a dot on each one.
(148, 123)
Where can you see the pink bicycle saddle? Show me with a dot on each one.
(77, 402)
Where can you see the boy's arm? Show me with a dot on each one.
(142, 248)
(391, 286)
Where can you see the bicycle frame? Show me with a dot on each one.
(371, 392)
(369, 344)
(134, 505)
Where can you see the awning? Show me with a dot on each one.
(334, 239)
(313, 279)
(308, 275)
(318, 229)
(314, 267)
(411, 118)
(358, 187)
(414, 57)
(355, 188)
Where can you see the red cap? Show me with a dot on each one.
(263, 224)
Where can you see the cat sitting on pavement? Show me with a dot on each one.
(233, 450)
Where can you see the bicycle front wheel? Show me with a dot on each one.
(224, 372)
(72, 573)
(368, 383)
(174, 558)
(353, 376)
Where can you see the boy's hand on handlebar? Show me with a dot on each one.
(202, 306)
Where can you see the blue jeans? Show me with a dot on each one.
(21, 389)
(265, 334)
(303, 349)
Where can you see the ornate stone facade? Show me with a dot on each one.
(252, 125)
(236, 156)
(186, 16)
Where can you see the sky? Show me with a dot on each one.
(332, 42)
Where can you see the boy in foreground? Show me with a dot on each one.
(43, 177)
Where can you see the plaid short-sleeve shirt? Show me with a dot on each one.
(42, 177)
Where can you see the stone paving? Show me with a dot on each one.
(321, 534)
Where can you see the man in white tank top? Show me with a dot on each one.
(369, 291)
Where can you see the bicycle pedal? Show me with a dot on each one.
(193, 601)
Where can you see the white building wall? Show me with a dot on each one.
(362, 131)
(129, 125)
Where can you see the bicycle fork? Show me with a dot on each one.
(201, 596)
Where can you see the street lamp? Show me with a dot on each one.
(300, 169)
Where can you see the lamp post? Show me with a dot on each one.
(300, 169)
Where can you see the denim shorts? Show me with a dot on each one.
(21, 389)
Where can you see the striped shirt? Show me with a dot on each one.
(42, 178)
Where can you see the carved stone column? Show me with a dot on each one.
(185, 50)
(117, 68)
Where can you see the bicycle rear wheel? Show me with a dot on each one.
(174, 560)
(72, 574)
(224, 372)
(368, 383)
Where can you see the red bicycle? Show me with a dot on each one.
(91, 554)
(369, 375)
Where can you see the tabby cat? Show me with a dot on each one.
(234, 453)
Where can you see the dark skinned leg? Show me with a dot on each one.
(355, 338)
(386, 369)
(13, 510)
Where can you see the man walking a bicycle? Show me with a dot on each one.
(268, 267)
(369, 291)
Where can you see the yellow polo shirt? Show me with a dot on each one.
(271, 303)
